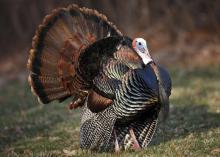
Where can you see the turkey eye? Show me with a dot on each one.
(139, 43)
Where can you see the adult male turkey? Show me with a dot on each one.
(78, 53)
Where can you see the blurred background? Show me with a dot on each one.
(178, 31)
(183, 35)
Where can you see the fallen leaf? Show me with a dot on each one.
(216, 150)
(69, 152)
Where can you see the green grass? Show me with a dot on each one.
(193, 128)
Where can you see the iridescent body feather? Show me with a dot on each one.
(78, 53)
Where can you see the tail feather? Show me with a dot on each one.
(46, 88)
(54, 90)
(41, 65)
(47, 80)
(57, 96)
(56, 47)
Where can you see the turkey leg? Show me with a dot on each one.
(76, 102)
(136, 145)
(117, 148)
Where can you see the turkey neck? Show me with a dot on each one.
(163, 97)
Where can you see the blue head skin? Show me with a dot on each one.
(140, 46)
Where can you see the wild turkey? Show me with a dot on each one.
(78, 53)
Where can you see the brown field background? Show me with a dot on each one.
(178, 32)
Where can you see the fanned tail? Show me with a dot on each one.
(56, 47)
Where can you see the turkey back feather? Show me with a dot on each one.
(56, 47)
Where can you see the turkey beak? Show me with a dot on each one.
(163, 98)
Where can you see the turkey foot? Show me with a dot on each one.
(117, 148)
(75, 103)
(136, 145)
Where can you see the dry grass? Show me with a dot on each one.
(193, 128)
